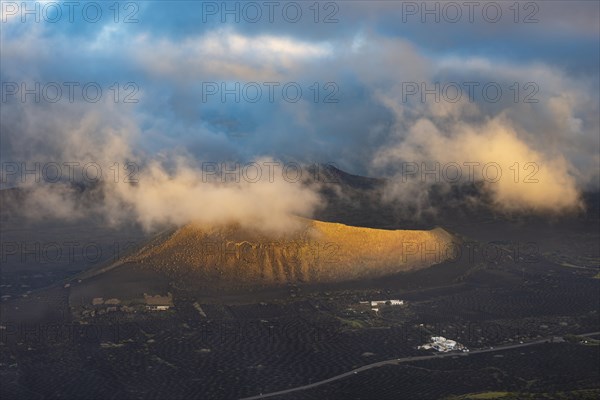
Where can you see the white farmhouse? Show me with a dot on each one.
(395, 302)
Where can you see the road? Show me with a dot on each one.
(396, 361)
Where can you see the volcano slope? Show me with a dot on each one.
(194, 257)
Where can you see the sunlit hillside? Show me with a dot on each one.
(318, 252)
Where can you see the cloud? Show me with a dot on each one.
(518, 177)
(127, 184)
(226, 54)
(371, 129)
(265, 200)
(543, 145)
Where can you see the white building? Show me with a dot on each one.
(157, 307)
(395, 302)
(442, 344)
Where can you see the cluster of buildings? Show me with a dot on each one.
(375, 304)
(443, 345)
(151, 303)
(102, 306)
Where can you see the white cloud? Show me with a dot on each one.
(226, 54)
